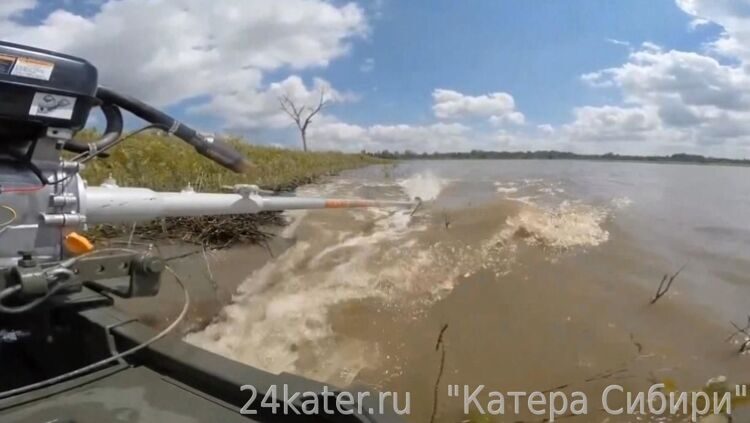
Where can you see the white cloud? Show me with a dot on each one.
(169, 51)
(695, 80)
(611, 123)
(684, 100)
(418, 138)
(618, 42)
(498, 107)
(546, 128)
(9, 8)
(513, 118)
(670, 96)
(368, 65)
(697, 23)
(733, 16)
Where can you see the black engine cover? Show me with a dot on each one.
(40, 89)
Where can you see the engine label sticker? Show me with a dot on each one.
(6, 64)
(52, 106)
(32, 68)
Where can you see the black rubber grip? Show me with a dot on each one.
(220, 152)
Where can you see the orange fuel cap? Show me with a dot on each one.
(77, 244)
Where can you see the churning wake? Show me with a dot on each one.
(287, 316)
(565, 226)
(425, 185)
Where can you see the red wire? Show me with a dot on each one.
(20, 189)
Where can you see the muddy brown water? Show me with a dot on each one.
(542, 271)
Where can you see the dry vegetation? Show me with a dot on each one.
(166, 164)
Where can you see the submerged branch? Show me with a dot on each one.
(745, 347)
(665, 284)
(439, 345)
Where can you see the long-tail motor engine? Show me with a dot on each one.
(45, 98)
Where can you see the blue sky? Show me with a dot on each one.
(535, 50)
(581, 75)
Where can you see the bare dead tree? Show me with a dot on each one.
(302, 115)
(665, 284)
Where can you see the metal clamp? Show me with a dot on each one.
(246, 190)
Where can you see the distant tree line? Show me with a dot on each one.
(553, 155)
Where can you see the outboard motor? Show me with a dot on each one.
(57, 320)
(46, 98)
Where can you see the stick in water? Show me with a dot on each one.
(439, 345)
(664, 288)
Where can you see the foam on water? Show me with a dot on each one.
(567, 226)
(531, 191)
(507, 190)
(282, 318)
(549, 220)
(506, 187)
(279, 320)
(528, 199)
(621, 202)
(424, 185)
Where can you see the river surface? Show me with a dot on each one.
(542, 271)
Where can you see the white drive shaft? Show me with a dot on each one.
(117, 205)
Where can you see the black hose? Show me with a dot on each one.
(113, 116)
(215, 150)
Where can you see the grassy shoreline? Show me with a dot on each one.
(163, 163)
